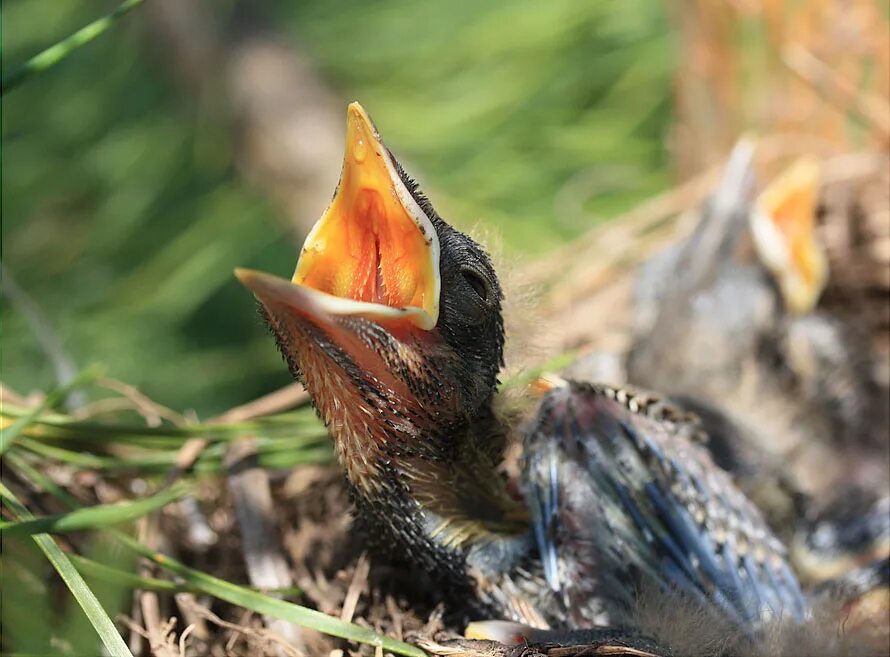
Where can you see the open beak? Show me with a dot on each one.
(783, 228)
(374, 253)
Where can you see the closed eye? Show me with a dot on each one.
(480, 287)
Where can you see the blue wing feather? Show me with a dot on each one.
(620, 498)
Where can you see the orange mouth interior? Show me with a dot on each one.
(373, 244)
(793, 212)
(784, 225)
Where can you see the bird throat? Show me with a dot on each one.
(404, 459)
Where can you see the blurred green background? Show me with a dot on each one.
(125, 207)
(200, 135)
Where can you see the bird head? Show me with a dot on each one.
(392, 318)
(780, 223)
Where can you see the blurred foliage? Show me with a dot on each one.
(123, 214)
(502, 104)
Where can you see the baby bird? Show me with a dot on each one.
(727, 325)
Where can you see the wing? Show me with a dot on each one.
(622, 495)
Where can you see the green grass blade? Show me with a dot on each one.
(269, 606)
(59, 426)
(41, 480)
(233, 593)
(98, 570)
(100, 620)
(93, 517)
(281, 455)
(57, 52)
(9, 434)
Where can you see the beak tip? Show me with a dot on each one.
(359, 122)
(255, 281)
(243, 274)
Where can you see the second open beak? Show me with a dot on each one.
(373, 254)
(784, 232)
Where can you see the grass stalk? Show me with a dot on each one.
(9, 433)
(234, 593)
(267, 605)
(85, 597)
(93, 517)
(59, 51)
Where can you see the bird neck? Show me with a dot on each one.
(465, 489)
(453, 511)
(425, 478)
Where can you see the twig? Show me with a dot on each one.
(152, 411)
(184, 636)
(185, 458)
(262, 634)
(834, 88)
(133, 622)
(233, 638)
(599, 252)
(280, 400)
(356, 586)
(649, 212)
(275, 402)
(396, 615)
(252, 499)
(107, 406)
(133, 625)
(158, 632)
(186, 602)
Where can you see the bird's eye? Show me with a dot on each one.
(475, 281)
